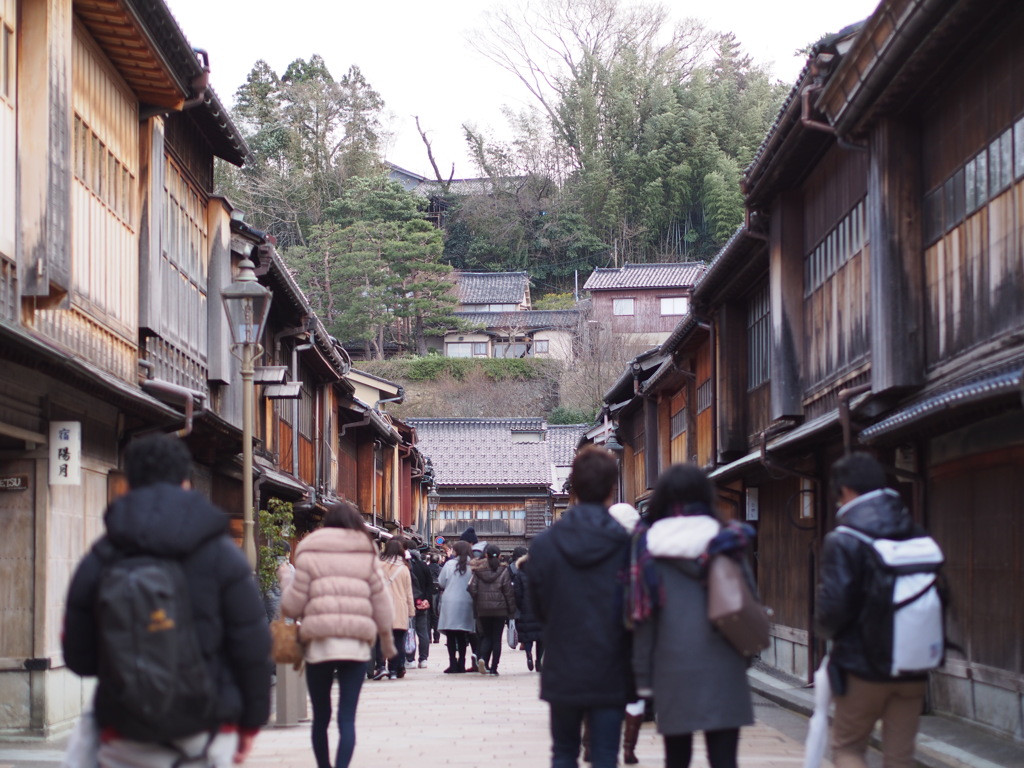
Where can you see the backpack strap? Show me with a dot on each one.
(859, 535)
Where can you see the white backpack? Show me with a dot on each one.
(903, 619)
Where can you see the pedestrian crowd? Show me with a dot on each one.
(611, 608)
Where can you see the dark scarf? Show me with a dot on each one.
(645, 591)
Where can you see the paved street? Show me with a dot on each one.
(465, 721)
(473, 721)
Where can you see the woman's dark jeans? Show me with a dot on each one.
(319, 679)
(491, 630)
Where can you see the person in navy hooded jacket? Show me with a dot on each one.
(577, 573)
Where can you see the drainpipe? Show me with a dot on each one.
(201, 82)
(188, 397)
(845, 395)
(399, 398)
(352, 425)
(295, 407)
(809, 122)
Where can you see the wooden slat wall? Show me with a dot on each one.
(307, 470)
(105, 156)
(284, 433)
(974, 514)
(785, 581)
(704, 421)
(759, 416)
(677, 448)
(347, 483)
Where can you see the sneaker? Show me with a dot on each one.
(492, 672)
(423, 664)
(380, 674)
(401, 673)
(481, 667)
(392, 675)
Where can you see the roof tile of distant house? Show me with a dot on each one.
(679, 275)
(466, 451)
(525, 320)
(492, 287)
(563, 439)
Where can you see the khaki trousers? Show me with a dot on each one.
(897, 704)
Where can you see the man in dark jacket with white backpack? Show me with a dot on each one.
(879, 666)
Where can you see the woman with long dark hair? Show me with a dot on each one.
(494, 603)
(338, 592)
(456, 616)
(698, 680)
(399, 578)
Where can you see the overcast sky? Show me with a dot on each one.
(416, 55)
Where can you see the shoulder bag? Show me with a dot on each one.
(733, 609)
(286, 648)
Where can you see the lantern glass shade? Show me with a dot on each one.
(246, 304)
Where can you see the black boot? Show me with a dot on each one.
(453, 660)
(629, 737)
(529, 661)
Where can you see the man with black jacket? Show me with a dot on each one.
(577, 570)
(863, 693)
(422, 591)
(163, 517)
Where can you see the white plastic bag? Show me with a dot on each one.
(84, 743)
(512, 634)
(817, 729)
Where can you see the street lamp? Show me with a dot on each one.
(246, 304)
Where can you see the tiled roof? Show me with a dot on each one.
(526, 320)
(679, 275)
(492, 287)
(482, 452)
(563, 439)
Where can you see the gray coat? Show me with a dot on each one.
(699, 681)
(456, 603)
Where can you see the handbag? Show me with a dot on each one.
(734, 610)
(286, 648)
(512, 634)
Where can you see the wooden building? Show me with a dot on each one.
(502, 476)
(871, 301)
(113, 255)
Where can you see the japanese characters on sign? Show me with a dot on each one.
(65, 453)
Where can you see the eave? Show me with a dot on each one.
(132, 45)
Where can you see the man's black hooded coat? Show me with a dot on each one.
(229, 617)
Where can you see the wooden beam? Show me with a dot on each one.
(896, 259)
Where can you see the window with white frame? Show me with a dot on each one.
(622, 306)
(674, 305)
(458, 349)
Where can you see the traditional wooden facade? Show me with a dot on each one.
(871, 301)
(113, 254)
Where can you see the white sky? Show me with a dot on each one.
(415, 54)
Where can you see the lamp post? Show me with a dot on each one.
(246, 304)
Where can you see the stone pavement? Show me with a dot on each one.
(458, 721)
(476, 721)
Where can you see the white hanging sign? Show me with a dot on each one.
(65, 453)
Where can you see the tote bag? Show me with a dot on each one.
(733, 609)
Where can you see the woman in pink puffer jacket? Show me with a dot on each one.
(345, 605)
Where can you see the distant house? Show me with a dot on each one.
(501, 476)
(438, 195)
(497, 320)
(641, 303)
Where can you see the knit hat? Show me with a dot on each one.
(625, 515)
(469, 535)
